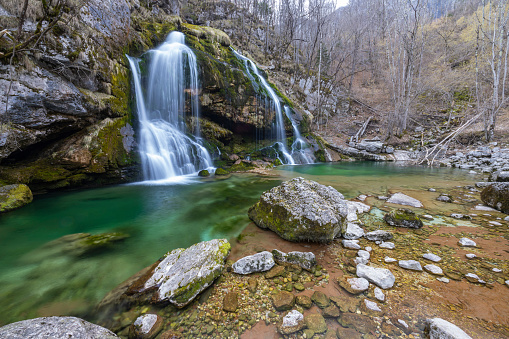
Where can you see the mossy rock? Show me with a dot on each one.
(14, 196)
(203, 173)
(496, 195)
(403, 217)
(220, 172)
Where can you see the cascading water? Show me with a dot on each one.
(298, 154)
(166, 149)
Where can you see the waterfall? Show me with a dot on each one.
(300, 152)
(167, 149)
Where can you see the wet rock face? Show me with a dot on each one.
(301, 210)
(55, 327)
(496, 195)
(14, 196)
(403, 217)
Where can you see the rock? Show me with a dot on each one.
(402, 199)
(410, 265)
(507, 283)
(381, 277)
(379, 294)
(465, 242)
(231, 302)
(388, 245)
(146, 326)
(495, 223)
(371, 146)
(301, 210)
(378, 235)
(304, 301)
(354, 285)
(346, 303)
(299, 286)
(445, 198)
(470, 255)
(443, 279)
(389, 260)
(283, 301)
(353, 231)
(252, 284)
(259, 262)
(347, 333)
(403, 217)
(361, 323)
(484, 208)
(363, 254)
(473, 278)
(427, 217)
(506, 218)
(372, 306)
(432, 190)
(434, 269)
(460, 216)
(292, 322)
(306, 260)
(14, 196)
(432, 257)
(276, 271)
(496, 270)
(320, 299)
(441, 329)
(55, 327)
(184, 273)
(316, 323)
(354, 208)
(203, 173)
(351, 244)
(221, 172)
(497, 196)
(331, 311)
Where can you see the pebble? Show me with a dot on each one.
(371, 305)
(382, 197)
(470, 255)
(496, 270)
(467, 242)
(379, 294)
(433, 269)
(362, 197)
(506, 218)
(389, 260)
(403, 323)
(443, 279)
(368, 248)
(483, 208)
(351, 244)
(358, 284)
(410, 265)
(432, 257)
(495, 223)
(507, 283)
(472, 276)
(388, 245)
(432, 190)
(427, 217)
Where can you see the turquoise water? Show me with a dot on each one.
(37, 279)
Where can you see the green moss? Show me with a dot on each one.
(320, 155)
(203, 173)
(221, 171)
(14, 196)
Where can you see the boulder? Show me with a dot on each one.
(378, 235)
(146, 326)
(14, 196)
(403, 217)
(306, 260)
(259, 262)
(371, 146)
(497, 196)
(402, 199)
(445, 198)
(442, 329)
(301, 210)
(55, 327)
(410, 265)
(381, 277)
(292, 322)
(184, 273)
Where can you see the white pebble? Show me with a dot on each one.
(496, 270)
(368, 248)
(432, 257)
(443, 279)
(470, 255)
(388, 245)
(379, 294)
(495, 223)
(467, 242)
(389, 259)
(371, 305)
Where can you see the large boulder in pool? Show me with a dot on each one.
(301, 210)
(183, 273)
(55, 327)
(496, 195)
(14, 196)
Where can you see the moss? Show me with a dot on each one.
(120, 90)
(320, 155)
(241, 167)
(14, 196)
(221, 171)
(203, 173)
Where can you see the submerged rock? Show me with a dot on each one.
(301, 210)
(442, 329)
(292, 322)
(55, 327)
(403, 217)
(259, 262)
(283, 301)
(497, 196)
(306, 260)
(378, 235)
(316, 323)
(381, 277)
(146, 326)
(403, 199)
(14, 196)
(354, 285)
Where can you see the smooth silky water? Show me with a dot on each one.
(157, 218)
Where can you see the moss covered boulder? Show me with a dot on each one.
(184, 273)
(14, 196)
(496, 195)
(403, 217)
(301, 210)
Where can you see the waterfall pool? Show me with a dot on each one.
(40, 276)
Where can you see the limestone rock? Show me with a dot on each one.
(470, 255)
(381, 277)
(259, 262)
(306, 260)
(379, 294)
(14, 196)
(353, 231)
(434, 269)
(465, 242)
(402, 199)
(442, 329)
(316, 323)
(231, 302)
(497, 196)
(292, 322)
(184, 273)
(146, 326)
(388, 245)
(354, 208)
(55, 327)
(410, 265)
(432, 257)
(372, 306)
(445, 198)
(301, 210)
(283, 301)
(320, 299)
(354, 285)
(378, 235)
(351, 244)
(403, 217)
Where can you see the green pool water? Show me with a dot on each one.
(41, 280)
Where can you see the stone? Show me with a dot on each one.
(403, 217)
(347, 333)
(378, 235)
(351, 244)
(292, 322)
(470, 255)
(221, 172)
(388, 245)
(432, 190)
(432, 257)
(443, 279)
(465, 242)
(484, 208)
(472, 277)
(320, 299)
(346, 303)
(442, 329)
(354, 285)
(301, 210)
(231, 302)
(316, 323)
(507, 283)
(371, 146)
(184, 273)
(276, 271)
(381, 277)
(146, 326)
(353, 231)
(203, 173)
(427, 217)
(252, 284)
(306, 260)
(14, 196)
(445, 198)
(354, 208)
(379, 294)
(283, 301)
(372, 306)
(433, 269)
(55, 327)
(497, 196)
(363, 254)
(304, 301)
(361, 323)
(402, 199)
(410, 265)
(331, 311)
(259, 262)
(390, 260)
